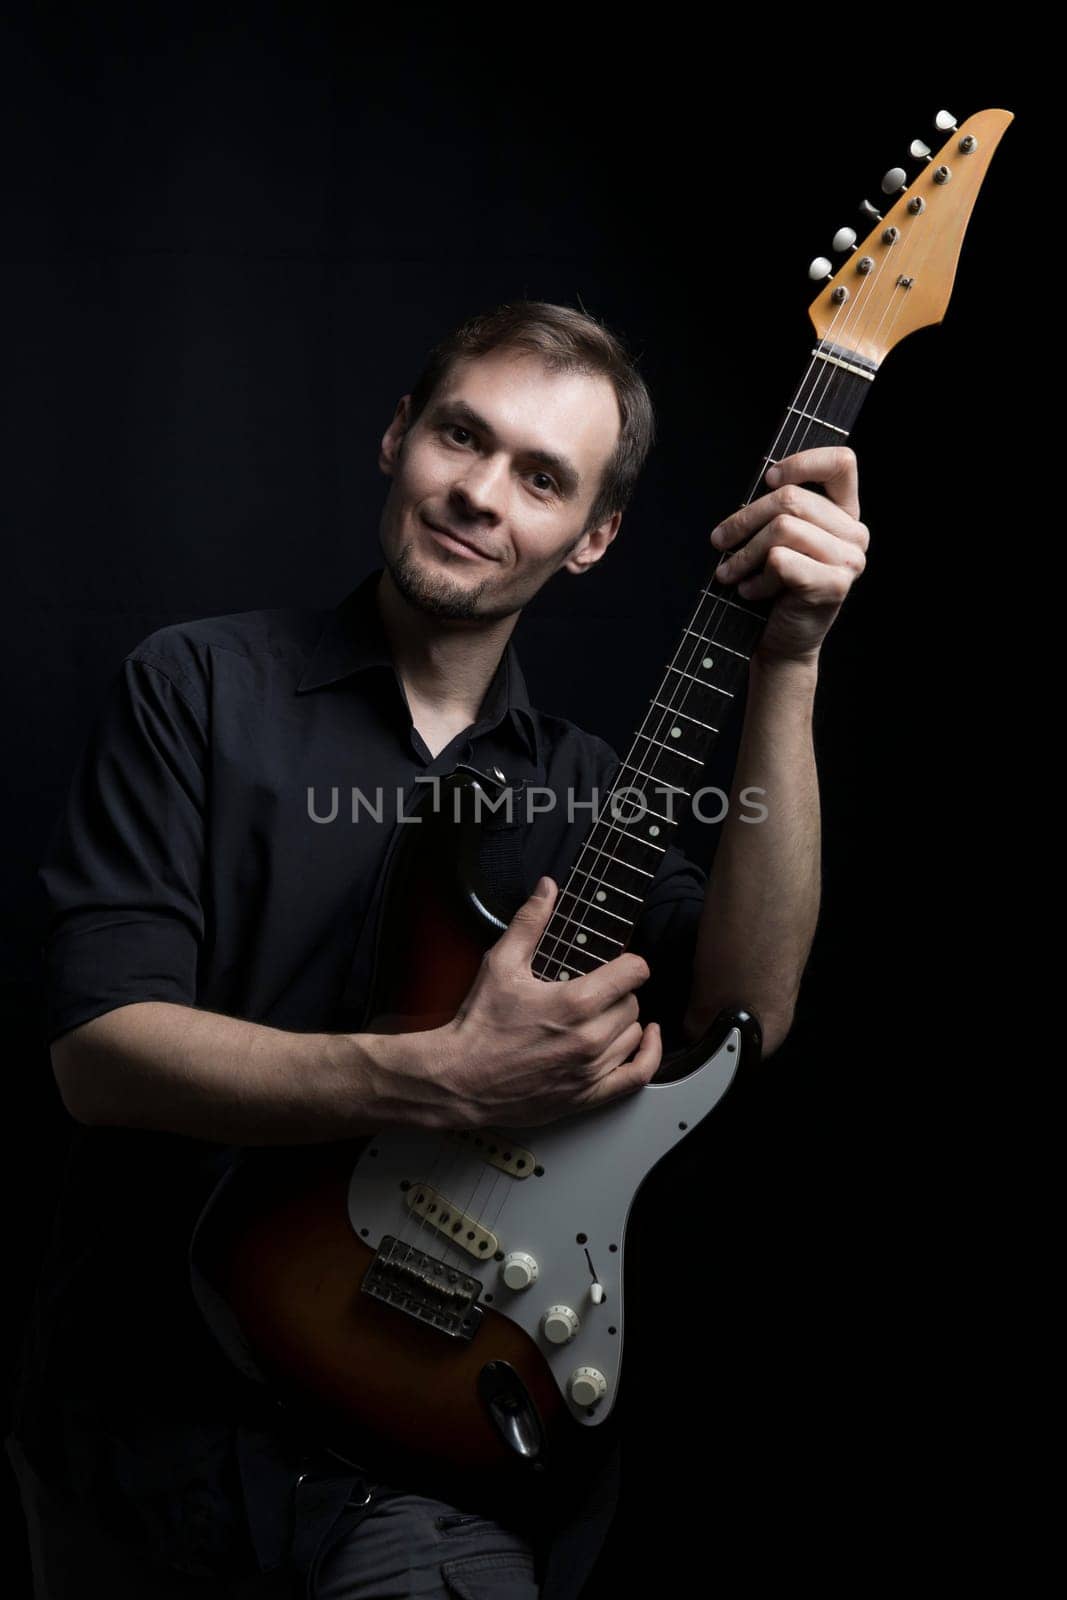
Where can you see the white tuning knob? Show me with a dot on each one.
(894, 179)
(944, 121)
(820, 268)
(519, 1270)
(587, 1386)
(844, 238)
(919, 150)
(559, 1324)
(869, 211)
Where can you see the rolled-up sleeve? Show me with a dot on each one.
(123, 872)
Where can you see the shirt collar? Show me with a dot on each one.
(354, 638)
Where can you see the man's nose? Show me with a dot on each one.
(484, 485)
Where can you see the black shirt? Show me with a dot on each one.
(208, 856)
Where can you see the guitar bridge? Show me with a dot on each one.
(425, 1288)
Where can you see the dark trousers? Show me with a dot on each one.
(382, 1544)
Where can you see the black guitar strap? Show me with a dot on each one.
(500, 848)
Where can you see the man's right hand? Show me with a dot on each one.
(522, 1051)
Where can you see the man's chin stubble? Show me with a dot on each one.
(437, 595)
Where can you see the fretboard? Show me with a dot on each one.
(599, 903)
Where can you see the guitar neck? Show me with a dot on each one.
(600, 902)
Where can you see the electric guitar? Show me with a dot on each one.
(458, 1297)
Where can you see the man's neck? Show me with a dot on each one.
(445, 665)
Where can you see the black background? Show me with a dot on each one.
(228, 245)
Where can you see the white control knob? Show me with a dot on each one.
(519, 1270)
(596, 1293)
(587, 1386)
(559, 1324)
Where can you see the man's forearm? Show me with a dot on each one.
(762, 901)
(175, 1069)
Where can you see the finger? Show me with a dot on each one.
(529, 922)
(811, 581)
(632, 1074)
(608, 1028)
(613, 981)
(793, 533)
(793, 501)
(833, 465)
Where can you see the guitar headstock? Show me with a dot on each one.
(900, 277)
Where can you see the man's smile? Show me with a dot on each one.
(458, 543)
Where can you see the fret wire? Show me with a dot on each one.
(602, 960)
(642, 774)
(591, 905)
(595, 932)
(673, 748)
(648, 811)
(718, 644)
(618, 828)
(684, 714)
(736, 605)
(627, 864)
(578, 973)
(704, 682)
(818, 420)
(601, 885)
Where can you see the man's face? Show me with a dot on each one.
(493, 485)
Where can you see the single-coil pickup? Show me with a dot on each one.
(495, 1150)
(456, 1226)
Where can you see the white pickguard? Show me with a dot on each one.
(594, 1164)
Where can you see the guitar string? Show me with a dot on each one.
(666, 693)
(856, 306)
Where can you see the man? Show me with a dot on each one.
(212, 935)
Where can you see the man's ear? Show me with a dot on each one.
(393, 437)
(593, 545)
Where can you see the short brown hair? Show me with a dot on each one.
(566, 341)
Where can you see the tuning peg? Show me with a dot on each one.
(920, 151)
(869, 211)
(944, 121)
(820, 268)
(844, 238)
(894, 179)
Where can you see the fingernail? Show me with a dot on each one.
(543, 888)
(772, 474)
(717, 535)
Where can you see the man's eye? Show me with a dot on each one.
(450, 429)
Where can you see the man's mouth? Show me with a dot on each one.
(457, 542)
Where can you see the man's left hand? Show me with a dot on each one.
(805, 547)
